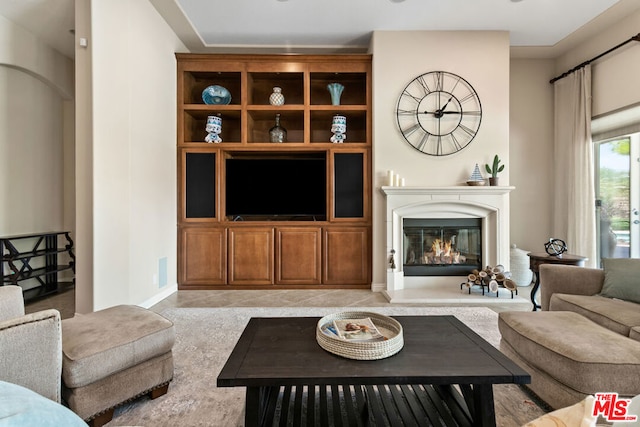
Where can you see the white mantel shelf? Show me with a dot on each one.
(457, 189)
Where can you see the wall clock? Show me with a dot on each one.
(439, 113)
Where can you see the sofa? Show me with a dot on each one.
(30, 345)
(586, 339)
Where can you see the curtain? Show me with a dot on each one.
(574, 219)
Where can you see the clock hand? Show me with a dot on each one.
(438, 112)
(445, 105)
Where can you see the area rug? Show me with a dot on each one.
(206, 336)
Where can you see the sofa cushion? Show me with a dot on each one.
(574, 350)
(617, 315)
(621, 279)
(578, 415)
(102, 343)
(21, 407)
(635, 333)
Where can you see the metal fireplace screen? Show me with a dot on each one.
(442, 247)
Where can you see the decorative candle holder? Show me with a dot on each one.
(339, 129)
(214, 129)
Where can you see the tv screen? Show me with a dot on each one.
(293, 188)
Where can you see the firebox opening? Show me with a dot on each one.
(442, 247)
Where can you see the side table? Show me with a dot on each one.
(538, 258)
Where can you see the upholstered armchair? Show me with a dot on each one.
(30, 345)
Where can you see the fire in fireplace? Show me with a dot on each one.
(442, 247)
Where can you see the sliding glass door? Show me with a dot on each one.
(618, 197)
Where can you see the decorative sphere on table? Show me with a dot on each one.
(555, 247)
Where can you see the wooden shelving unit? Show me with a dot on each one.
(215, 250)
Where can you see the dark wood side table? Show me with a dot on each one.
(538, 258)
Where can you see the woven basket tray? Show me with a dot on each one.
(389, 327)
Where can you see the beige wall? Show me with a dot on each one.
(530, 148)
(615, 76)
(36, 83)
(482, 58)
(132, 153)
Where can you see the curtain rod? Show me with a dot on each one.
(585, 63)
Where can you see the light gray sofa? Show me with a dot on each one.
(30, 345)
(580, 343)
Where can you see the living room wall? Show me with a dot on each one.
(36, 134)
(130, 209)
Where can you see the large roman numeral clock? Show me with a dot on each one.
(439, 113)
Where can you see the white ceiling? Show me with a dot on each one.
(546, 27)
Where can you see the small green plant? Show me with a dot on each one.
(496, 167)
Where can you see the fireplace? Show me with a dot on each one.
(441, 247)
(471, 220)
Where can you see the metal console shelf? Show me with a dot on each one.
(35, 256)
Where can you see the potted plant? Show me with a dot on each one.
(494, 170)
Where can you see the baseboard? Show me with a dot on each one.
(159, 297)
(378, 287)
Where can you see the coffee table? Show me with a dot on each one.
(444, 373)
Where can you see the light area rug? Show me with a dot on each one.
(206, 336)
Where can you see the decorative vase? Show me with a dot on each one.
(214, 129)
(278, 133)
(493, 181)
(335, 89)
(276, 98)
(339, 129)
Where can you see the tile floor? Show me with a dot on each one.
(64, 302)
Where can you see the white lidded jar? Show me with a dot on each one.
(520, 271)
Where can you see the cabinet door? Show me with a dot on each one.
(251, 256)
(298, 256)
(203, 256)
(346, 256)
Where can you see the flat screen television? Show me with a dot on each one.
(276, 188)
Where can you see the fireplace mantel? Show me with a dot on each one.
(460, 190)
(491, 204)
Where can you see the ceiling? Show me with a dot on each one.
(543, 28)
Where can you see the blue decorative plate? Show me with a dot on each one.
(216, 95)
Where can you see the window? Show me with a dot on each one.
(618, 196)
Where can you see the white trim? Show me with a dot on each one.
(159, 297)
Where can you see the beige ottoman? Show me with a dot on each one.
(112, 356)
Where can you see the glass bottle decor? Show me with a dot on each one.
(335, 89)
(276, 98)
(278, 133)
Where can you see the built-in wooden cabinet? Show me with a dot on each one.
(346, 251)
(203, 255)
(298, 256)
(256, 214)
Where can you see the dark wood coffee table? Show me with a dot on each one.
(444, 373)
